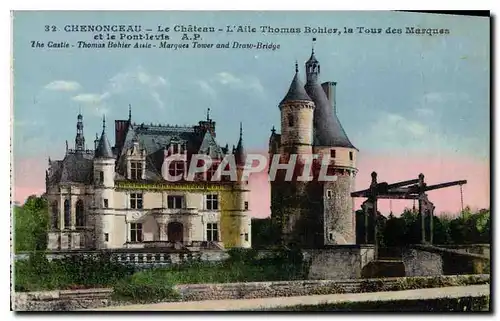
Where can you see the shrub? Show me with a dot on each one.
(144, 287)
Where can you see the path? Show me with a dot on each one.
(267, 303)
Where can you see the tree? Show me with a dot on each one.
(31, 223)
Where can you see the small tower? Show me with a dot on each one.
(297, 111)
(236, 223)
(79, 139)
(104, 183)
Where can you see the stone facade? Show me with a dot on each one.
(422, 263)
(338, 262)
(314, 213)
(122, 197)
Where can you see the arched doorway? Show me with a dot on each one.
(175, 232)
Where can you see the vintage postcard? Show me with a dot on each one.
(250, 161)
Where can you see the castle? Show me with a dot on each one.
(313, 214)
(118, 197)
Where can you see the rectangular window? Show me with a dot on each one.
(212, 202)
(331, 236)
(351, 156)
(106, 204)
(212, 232)
(136, 170)
(246, 237)
(175, 148)
(136, 200)
(175, 201)
(246, 206)
(106, 237)
(176, 168)
(101, 177)
(329, 193)
(135, 232)
(333, 153)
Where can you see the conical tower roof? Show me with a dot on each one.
(296, 90)
(104, 148)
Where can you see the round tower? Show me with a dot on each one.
(104, 183)
(297, 111)
(331, 143)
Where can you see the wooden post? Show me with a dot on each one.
(421, 212)
(373, 194)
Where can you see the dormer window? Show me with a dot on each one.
(351, 156)
(177, 148)
(135, 170)
(176, 168)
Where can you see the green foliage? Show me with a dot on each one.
(31, 223)
(143, 287)
(37, 273)
(468, 228)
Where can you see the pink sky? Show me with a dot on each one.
(29, 178)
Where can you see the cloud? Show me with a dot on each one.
(63, 85)
(234, 82)
(90, 98)
(124, 83)
(424, 112)
(441, 97)
(207, 89)
(395, 133)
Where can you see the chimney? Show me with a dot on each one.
(330, 89)
(120, 132)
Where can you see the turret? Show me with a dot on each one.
(104, 183)
(297, 112)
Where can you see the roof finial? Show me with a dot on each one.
(129, 112)
(208, 113)
(314, 40)
(103, 123)
(296, 66)
(241, 130)
(79, 109)
(273, 130)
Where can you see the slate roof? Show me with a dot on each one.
(76, 167)
(104, 148)
(327, 129)
(154, 138)
(296, 91)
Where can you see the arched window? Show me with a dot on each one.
(80, 219)
(55, 214)
(67, 214)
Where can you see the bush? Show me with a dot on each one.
(144, 287)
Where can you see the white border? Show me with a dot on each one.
(5, 32)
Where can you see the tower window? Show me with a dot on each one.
(351, 155)
(101, 177)
(106, 237)
(290, 121)
(246, 206)
(212, 202)
(136, 200)
(135, 170)
(106, 204)
(331, 236)
(329, 193)
(246, 237)
(333, 153)
(212, 232)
